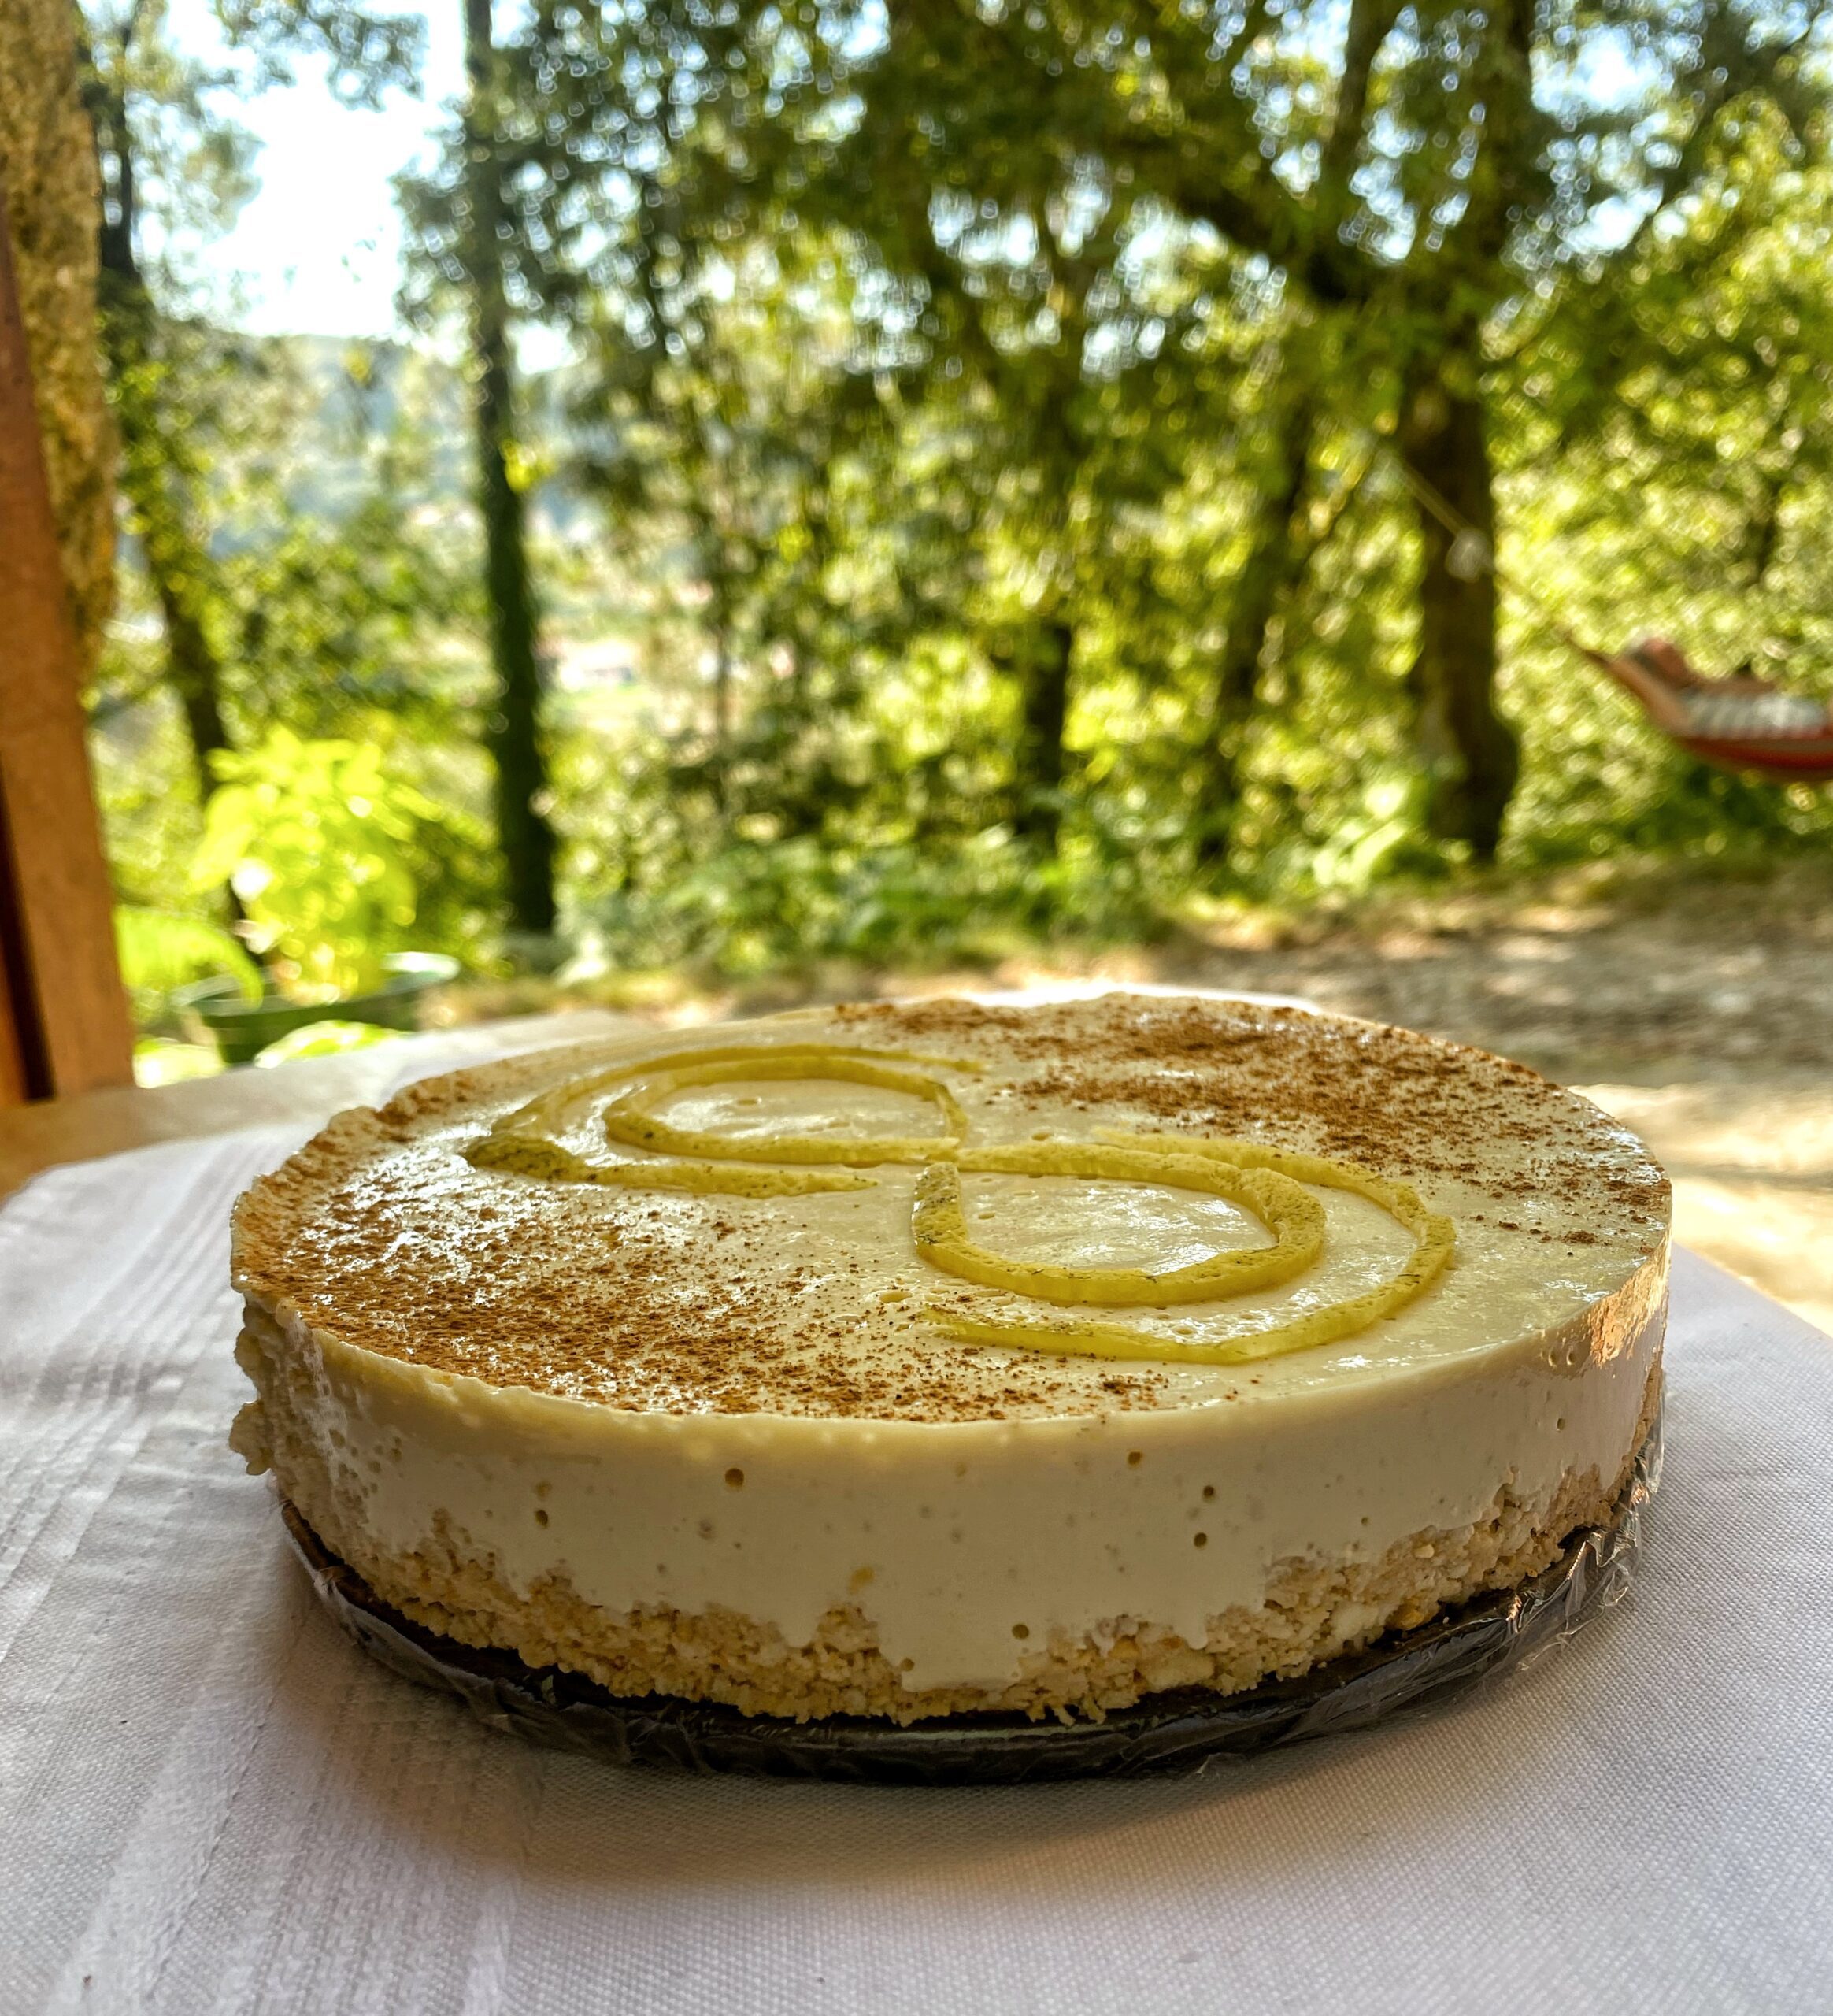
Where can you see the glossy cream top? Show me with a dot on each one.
(385, 1234)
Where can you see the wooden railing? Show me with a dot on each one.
(64, 1024)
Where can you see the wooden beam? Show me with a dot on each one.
(63, 1023)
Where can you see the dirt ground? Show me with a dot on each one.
(1695, 1004)
(1659, 982)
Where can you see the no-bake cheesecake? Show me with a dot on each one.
(901, 1360)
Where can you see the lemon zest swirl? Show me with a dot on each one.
(627, 1120)
(1435, 1239)
(551, 1162)
(523, 1142)
(1268, 1182)
(1294, 1217)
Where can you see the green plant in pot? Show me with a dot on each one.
(314, 837)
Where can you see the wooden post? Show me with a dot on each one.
(63, 1023)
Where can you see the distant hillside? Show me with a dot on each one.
(360, 395)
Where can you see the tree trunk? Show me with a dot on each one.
(1043, 713)
(176, 558)
(513, 734)
(192, 668)
(1275, 561)
(1472, 752)
(154, 473)
(722, 705)
(711, 515)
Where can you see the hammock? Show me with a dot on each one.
(1740, 723)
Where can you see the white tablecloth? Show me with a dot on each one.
(210, 1800)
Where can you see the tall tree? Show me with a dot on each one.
(1419, 169)
(144, 103)
(993, 300)
(710, 402)
(471, 248)
(514, 734)
(159, 128)
(1035, 351)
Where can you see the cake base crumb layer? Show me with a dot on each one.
(1312, 1610)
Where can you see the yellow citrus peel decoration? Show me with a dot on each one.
(551, 1162)
(1293, 1215)
(523, 1144)
(1270, 1183)
(1434, 1238)
(627, 1119)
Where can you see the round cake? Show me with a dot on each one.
(904, 1360)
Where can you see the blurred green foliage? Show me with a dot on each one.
(329, 853)
(956, 529)
(161, 952)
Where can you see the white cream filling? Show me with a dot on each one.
(952, 1536)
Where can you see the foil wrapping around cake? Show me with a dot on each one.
(1404, 1672)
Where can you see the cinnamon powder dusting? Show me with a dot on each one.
(379, 1231)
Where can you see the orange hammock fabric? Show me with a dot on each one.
(1740, 724)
